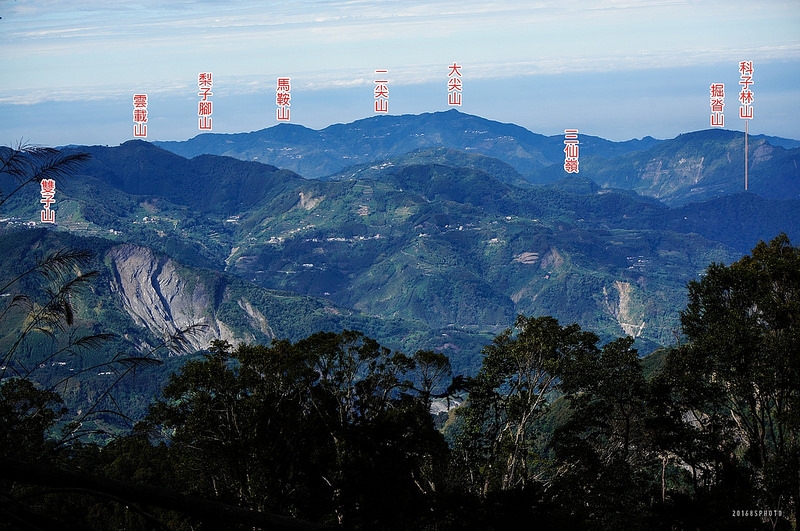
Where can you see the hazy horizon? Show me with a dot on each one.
(616, 69)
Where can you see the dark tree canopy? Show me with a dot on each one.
(737, 380)
(336, 430)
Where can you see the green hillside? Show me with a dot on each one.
(221, 303)
(422, 342)
(417, 239)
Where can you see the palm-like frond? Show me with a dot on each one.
(55, 314)
(89, 342)
(123, 365)
(21, 301)
(179, 341)
(58, 165)
(63, 262)
(30, 164)
(55, 265)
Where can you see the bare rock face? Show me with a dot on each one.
(622, 310)
(158, 298)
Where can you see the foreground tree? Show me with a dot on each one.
(509, 395)
(735, 386)
(607, 463)
(324, 429)
(39, 438)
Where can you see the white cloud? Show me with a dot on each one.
(84, 50)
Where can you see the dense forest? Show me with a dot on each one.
(336, 430)
(555, 431)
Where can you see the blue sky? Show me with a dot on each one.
(614, 68)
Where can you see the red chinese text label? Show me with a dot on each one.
(48, 193)
(717, 104)
(140, 115)
(205, 107)
(746, 95)
(381, 92)
(454, 84)
(571, 150)
(283, 96)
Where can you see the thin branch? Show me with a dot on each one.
(178, 341)
(51, 313)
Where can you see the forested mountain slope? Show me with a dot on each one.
(450, 240)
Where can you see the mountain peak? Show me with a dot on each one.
(698, 164)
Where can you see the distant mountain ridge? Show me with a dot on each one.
(317, 154)
(452, 243)
(433, 247)
(701, 165)
(694, 166)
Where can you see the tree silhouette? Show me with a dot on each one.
(27, 164)
(737, 381)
